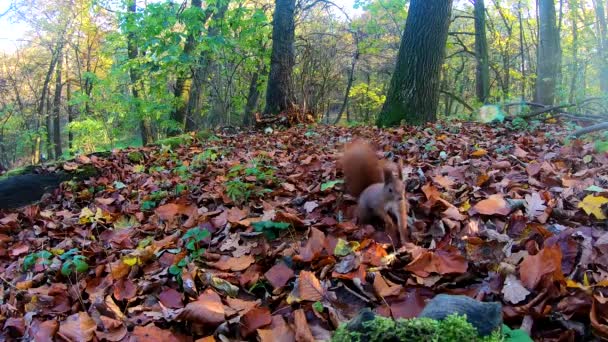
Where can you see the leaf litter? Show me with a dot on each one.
(259, 243)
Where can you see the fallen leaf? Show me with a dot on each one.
(592, 205)
(278, 275)
(383, 289)
(255, 319)
(513, 291)
(207, 309)
(171, 298)
(303, 333)
(233, 264)
(546, 262)
(310, 206)
(78, 327)
(493, 205)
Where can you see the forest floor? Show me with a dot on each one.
(249, 236)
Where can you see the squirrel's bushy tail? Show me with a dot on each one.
(361, 167)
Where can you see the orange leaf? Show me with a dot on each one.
(78, 327)
(479, 153)
(493, 205)
(278, 275)
(207, 309)
(303, 333)
(383, 289)
(534, 267)
(310, 287)
(255, 319)
(233, 264)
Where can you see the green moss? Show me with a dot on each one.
(382, 329)
(135, 156)
(19, 171)
(173, 142)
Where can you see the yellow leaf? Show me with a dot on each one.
(129, 260)
(592, 205)
(85, 215)
(585, 279)
(465, 206)
(479, 153)
(572, 283)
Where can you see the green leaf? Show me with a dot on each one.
(119, 185)
(66, 269)
(344, 248)
(318, 306)
(269, 228)
(81, 264)
(330, 184)
(148, 205)
(595, 188)
(175, 270)
(29, 261)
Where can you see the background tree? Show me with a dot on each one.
(279, 94)
(482, 74)
(548, 59)
(413, 95)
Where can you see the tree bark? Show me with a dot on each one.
(57, 108)
(200, 73)
(413, 95)
(603, 44)
(548, 54)
(522, 43)
(43, 104)
(133, 53)
(351, 78)
(574, 65)
(279, 95)
(252, 99)
(482, 75)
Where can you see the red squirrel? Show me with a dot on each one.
(378, 191)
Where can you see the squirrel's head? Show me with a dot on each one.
(394, 187)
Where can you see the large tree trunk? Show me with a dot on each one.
(133, 52)
(482, 75)
(279, 95)
(57, 109)
(603, 44)
(548, 56)
(43, 104)
(200, 73)
(413, 95)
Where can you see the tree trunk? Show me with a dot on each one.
(574, 65)
(482, 75)
(413, 95)
(279, 95)
(43, 104)
(603, 44)
(252, 99)
(200, 73)
(548, 54)
(49, 126)
(351, 78)
(522, 43)
(57, 108)
(133, 53)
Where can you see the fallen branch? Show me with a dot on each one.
(458, 99)
(592, 128)
(546, 110)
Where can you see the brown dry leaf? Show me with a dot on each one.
(124, 289)
(493, 205)
(44, 331)
(303, 333)
(534, 267)
(314, 246)
(152, 333)
(279, 331)
(78, 327)
(207, 309)
(310, 287)
(169, 211)
(383, 289)
(599, 315)
(241, 306)
(255, 319)
(479, 153)
(278, 275)
(235, 214)
(445, 182)
(233, 264)
(171, 298)
(443, 261)
(294, 220)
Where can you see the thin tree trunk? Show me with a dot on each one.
(43, 104)
(413, 95)
(57, 108)
(252, 99)
(351, 77)
(574, 65)
(279, 95)
(481, 53)
(49, 126)
(602, 44)
(548, 54)
(521, 51)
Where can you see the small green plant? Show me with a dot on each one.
(519, 124)
(73, 262)
(270, 229)
(201, 159)
(42, 257)
(193, 240)
(238, 191)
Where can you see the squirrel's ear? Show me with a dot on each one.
(400, 169)
(388, 175)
